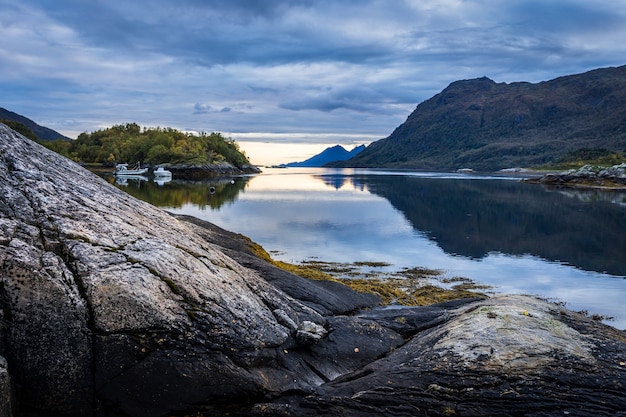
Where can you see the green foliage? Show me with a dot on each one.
(20, 128)
(130, 143)
(589, 156)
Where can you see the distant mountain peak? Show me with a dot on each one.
(330, 154)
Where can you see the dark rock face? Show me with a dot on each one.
(587, 176)
(5, 390)
(112, 307)
(505, 356)
(111, 304)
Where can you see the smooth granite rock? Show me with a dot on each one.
(112, 304)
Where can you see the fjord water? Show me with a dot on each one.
(562, 244)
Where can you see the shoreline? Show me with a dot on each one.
(187, 171)
(587, 177)
(408, 287)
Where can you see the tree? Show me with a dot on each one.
(130, 143)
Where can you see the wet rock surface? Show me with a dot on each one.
(110, 306)
(587, 177)
(504, 356)
(5, 390)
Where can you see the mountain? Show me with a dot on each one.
(484, 125)
(42, 132)
(331, 154)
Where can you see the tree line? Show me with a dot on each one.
(130, 143)
(20, 128)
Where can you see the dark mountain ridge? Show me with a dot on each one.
(42, 132)
(484, 125)
(330, 154)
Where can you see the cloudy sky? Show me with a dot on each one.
(272, 73)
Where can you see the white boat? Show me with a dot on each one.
(127, 179)
(161, 172)
(122, 169)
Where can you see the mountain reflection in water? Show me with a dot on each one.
(476, 217)
(520, 238)
(467, 217)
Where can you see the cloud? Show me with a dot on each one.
(286, 66)
(354, 98)
(201, 108)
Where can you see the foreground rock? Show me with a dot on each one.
(111, 304)
(587, 177)
(112, 307)
(505, 356)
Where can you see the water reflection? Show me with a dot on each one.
(518, 237)
(213, 193)
(125, 180)
(473, 218)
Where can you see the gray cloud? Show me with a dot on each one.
(200, 108)
(317, 66)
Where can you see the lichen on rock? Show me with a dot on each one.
(511, 332)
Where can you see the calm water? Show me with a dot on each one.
(520, 238)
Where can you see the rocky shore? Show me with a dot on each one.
(587, 176)
(112, 307)
(202, 171)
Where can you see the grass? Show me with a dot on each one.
(580, 158)
(304, 271)
(409, 286)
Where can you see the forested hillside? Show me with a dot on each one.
(484, 125)
(130, 143)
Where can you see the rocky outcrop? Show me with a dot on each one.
(110, 306)
(202, 171)
(587, 177)
(504, 356)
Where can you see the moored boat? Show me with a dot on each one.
(161, 172)
(122, 169)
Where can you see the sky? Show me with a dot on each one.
(283, 78)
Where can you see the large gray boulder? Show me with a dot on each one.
(109, 303)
